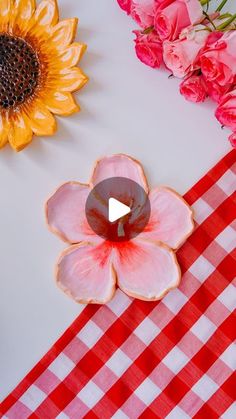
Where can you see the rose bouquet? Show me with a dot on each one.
(196, 45)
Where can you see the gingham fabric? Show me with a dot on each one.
(169, 359)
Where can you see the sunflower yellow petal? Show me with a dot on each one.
(24, 10)
(63, 33)
(40, 119)
(19, 132)
(61, 103)
(71, 55)
(5, 8)
(47, 13)
(52, 41)
(3, 132)
(5, 11)
(73, 79)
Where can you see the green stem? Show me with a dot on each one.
(205, 29)
(209, 19)
(226, 23)
(221, 5)
(204, 2)
(224, 16)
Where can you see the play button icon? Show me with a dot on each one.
(117, 209)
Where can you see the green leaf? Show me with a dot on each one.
(226, 23)
(221, 5)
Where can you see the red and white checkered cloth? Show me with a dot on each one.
(169, 359)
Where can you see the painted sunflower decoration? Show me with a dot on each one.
(38, 70)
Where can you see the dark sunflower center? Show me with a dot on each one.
(19, 71)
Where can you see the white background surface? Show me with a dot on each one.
(126, 107)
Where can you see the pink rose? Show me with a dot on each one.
(174, 15)
(215, 90)
(226, 111)
(125, 5)
(179, 56)
(148, 48)
(218, 59)
(193, 88)
(232, 139)
(142, 11)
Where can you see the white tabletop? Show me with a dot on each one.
(126, 107)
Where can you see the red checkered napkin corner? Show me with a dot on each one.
(169, 359)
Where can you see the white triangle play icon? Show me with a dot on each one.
(117, 210)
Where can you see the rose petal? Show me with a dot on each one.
(171, 220)
(65, 212)
(119, 165)
(194, 9)
(146, 270)
(232, 139)
(86, 274)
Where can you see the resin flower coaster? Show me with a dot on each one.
(144, 267)
(38, 70)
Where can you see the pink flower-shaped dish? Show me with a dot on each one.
(144, 267)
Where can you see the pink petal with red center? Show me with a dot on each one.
(171, 220)
(146, 270)
(85, 273)
(119, 165)
(65, 213)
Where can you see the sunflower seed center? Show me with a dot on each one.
(19, 71)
